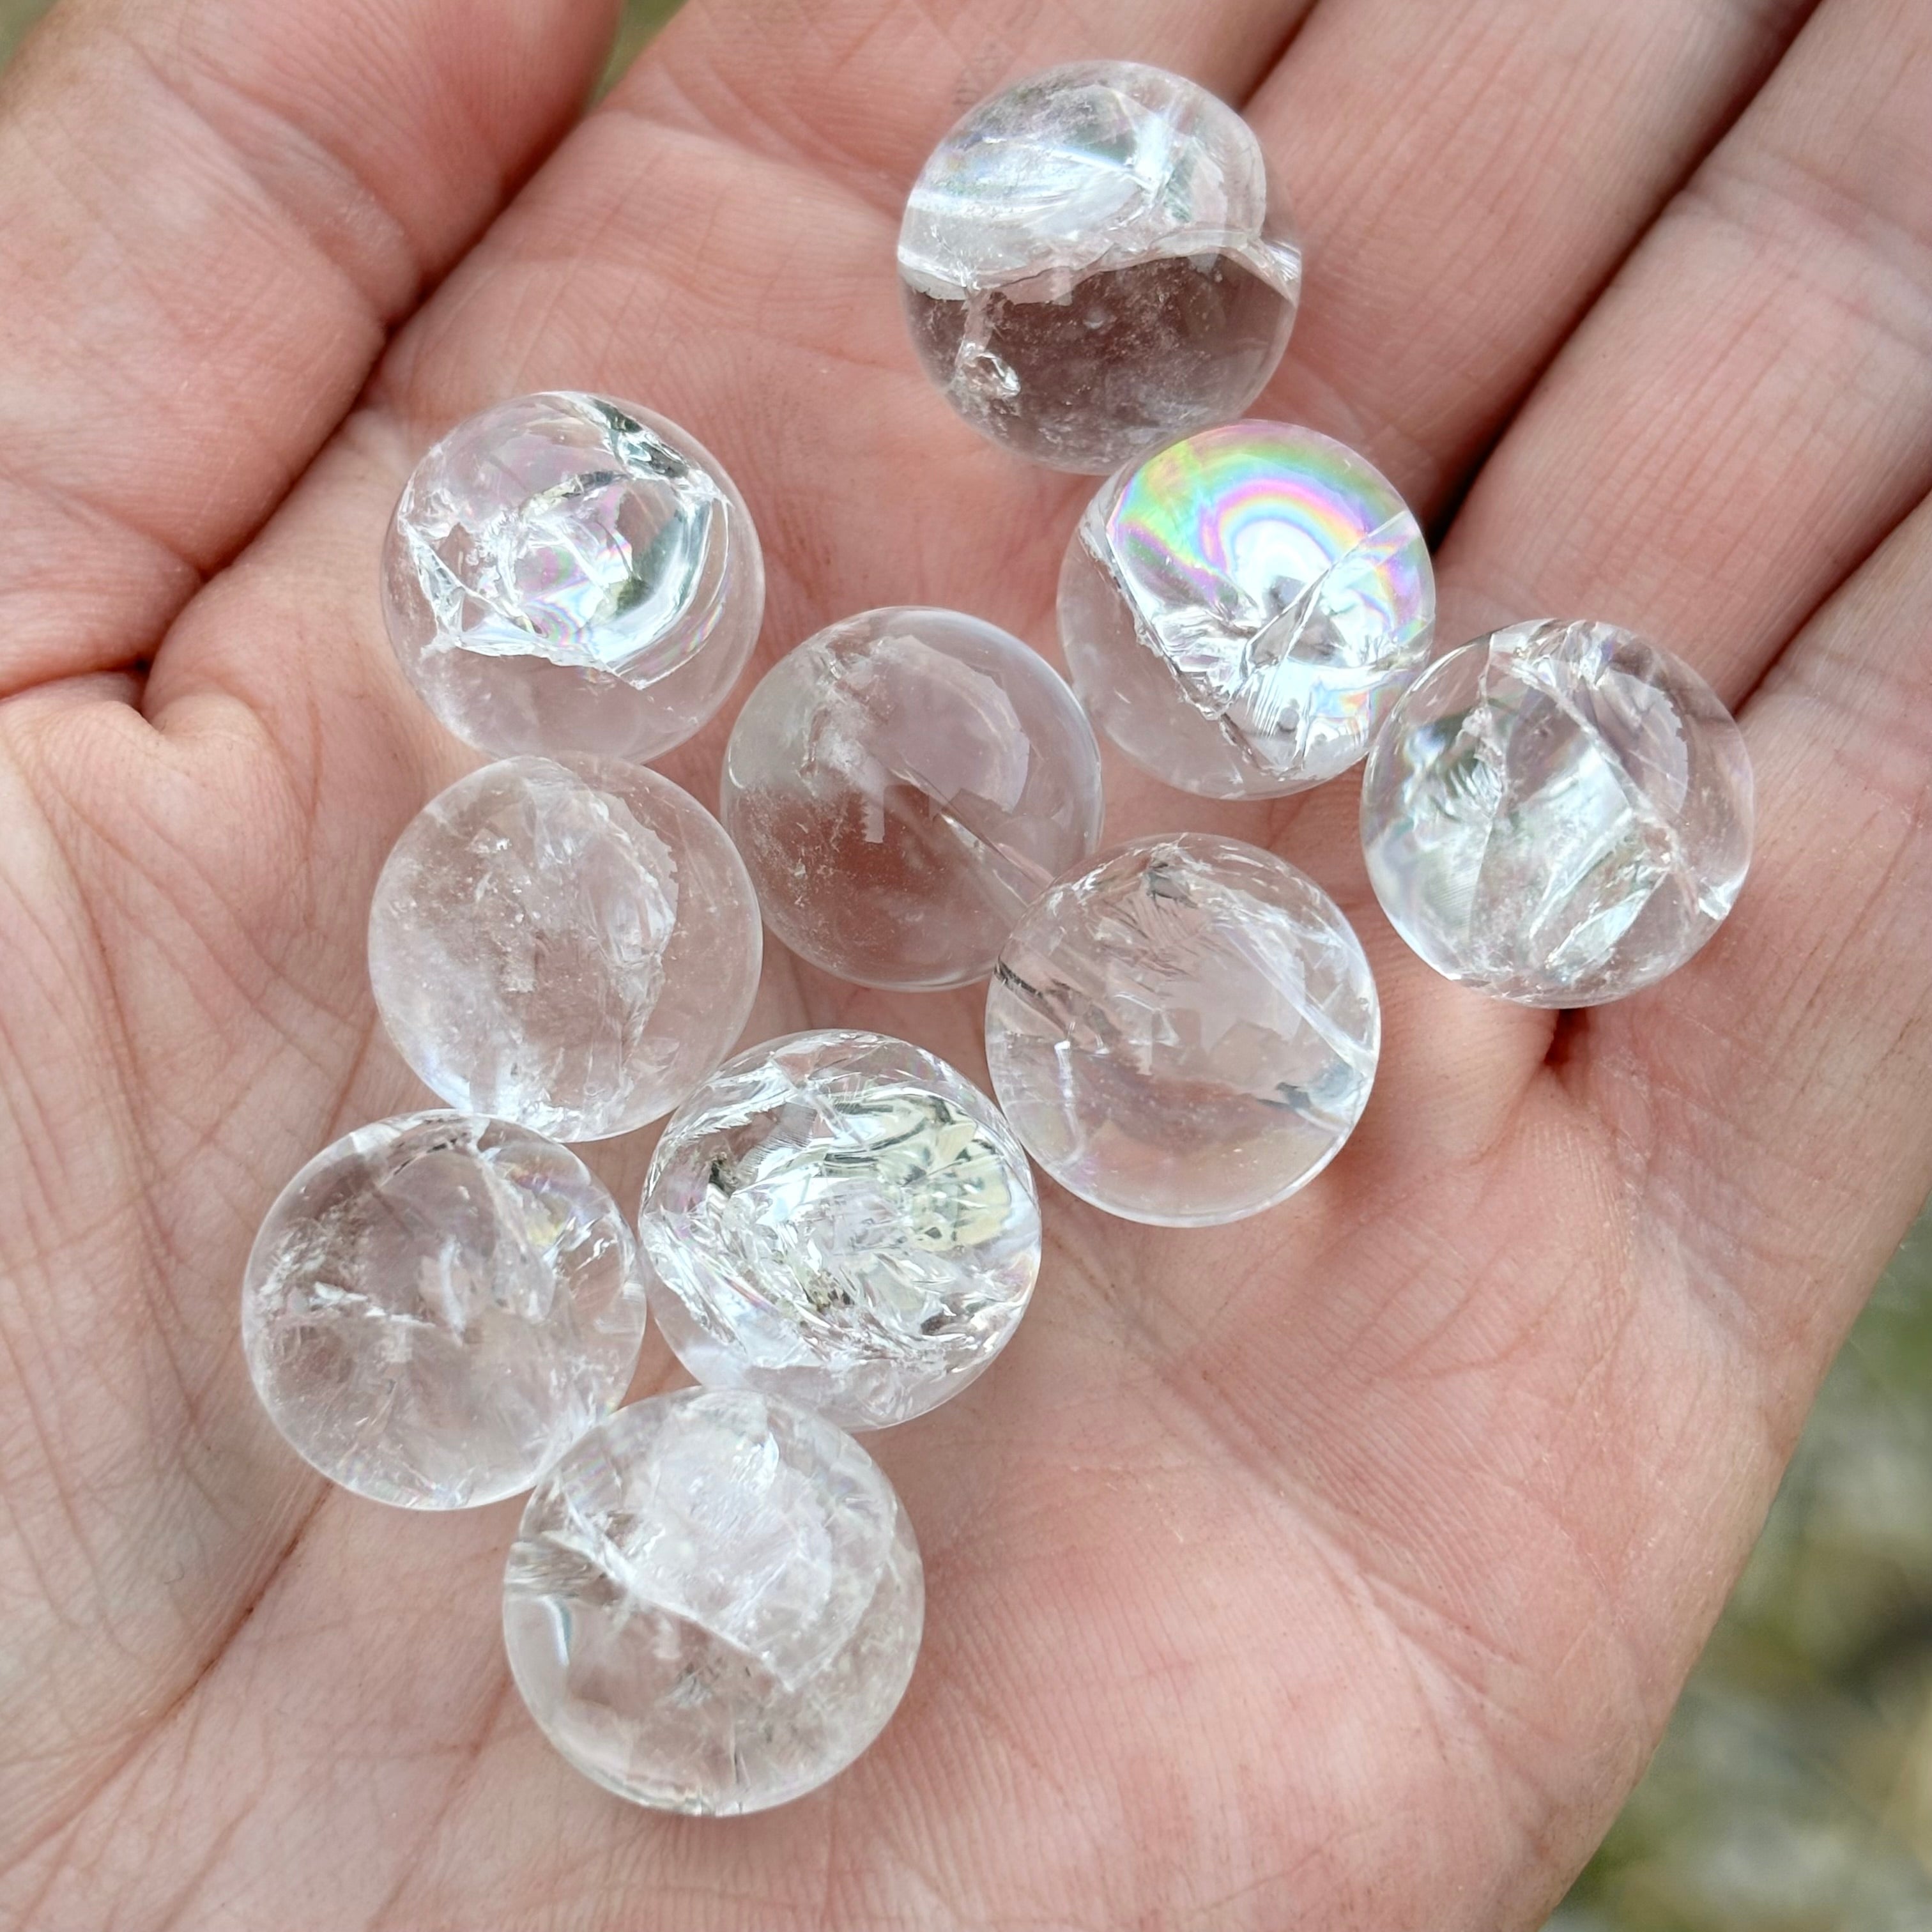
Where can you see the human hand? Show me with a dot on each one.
(1335, 1569)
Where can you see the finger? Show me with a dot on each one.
(1744, 414)
(1749, 410)
(859, 92)
(214, 210)
(1769, 1102)
(1468, 178)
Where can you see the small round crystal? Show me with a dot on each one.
(1239, 611)
(565, 573)
(1558, 814)
(714, 1602)
(1092, 264)
(1184, 1033)
(840, 1218)
(570, 943)
(902, 786)
(437, 1307)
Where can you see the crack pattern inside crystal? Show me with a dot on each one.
(841, 1218)
(1187, 1032)
(902, 786)
(591, 552)
(713, 1603)
(1559, 813)
(437, 1305)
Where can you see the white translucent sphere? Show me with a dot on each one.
(565, 573)
(1558, 814)
(437, 1307)
(1092, 264)
(1241, 611)
(714, 1602)
(902, 786)
(1185, 1032)
(570, 943)
(840, 1218)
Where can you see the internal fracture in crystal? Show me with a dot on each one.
(1092, 264)
(840, 1218)
(714, 1602)
(565, 573)
(902, 786)
(1185, 1032)
(570, 943)
(1558, 814)
(438, 1306)
(1241, 609)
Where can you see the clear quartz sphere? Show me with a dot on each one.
(565, 573)
(438, 1306)
(902, 786)
(1185, 1032)
(714, 1602)
(1558, 814)
(570, 943)
(840, 1218)
(1241, 609)
(1092, 264)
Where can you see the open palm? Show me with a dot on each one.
(1336, 1570)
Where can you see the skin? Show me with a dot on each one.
(1337, 1569)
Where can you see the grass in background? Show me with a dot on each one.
(1794, 1791)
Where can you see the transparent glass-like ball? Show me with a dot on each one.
(570, 943)
(1185, 1032)
(1092, 264)
(565, 573)
(1239, 611)
(841, 1219)
(902, 786)
(714, 1602)
(438, 1306)
(1558, 814)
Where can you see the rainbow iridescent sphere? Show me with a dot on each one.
(1241, 611)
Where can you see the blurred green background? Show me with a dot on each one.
(1794, 1791)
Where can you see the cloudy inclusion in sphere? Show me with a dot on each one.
(437, 1305)
(714, 1602)
(1091, 266)
(840, 1218)
(1559, 814)
(572, 944)
(902, 786)
(1185, 1032)
(1239, 611)
(565, 573)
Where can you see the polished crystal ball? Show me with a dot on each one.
(565, 573)
(1092, 264)
(902, 786)
(714, 1602)
(841, 1219)
(438, 1306)
(1558, 814)
(570, 943)
(1184, 1032)
(1239, 611)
